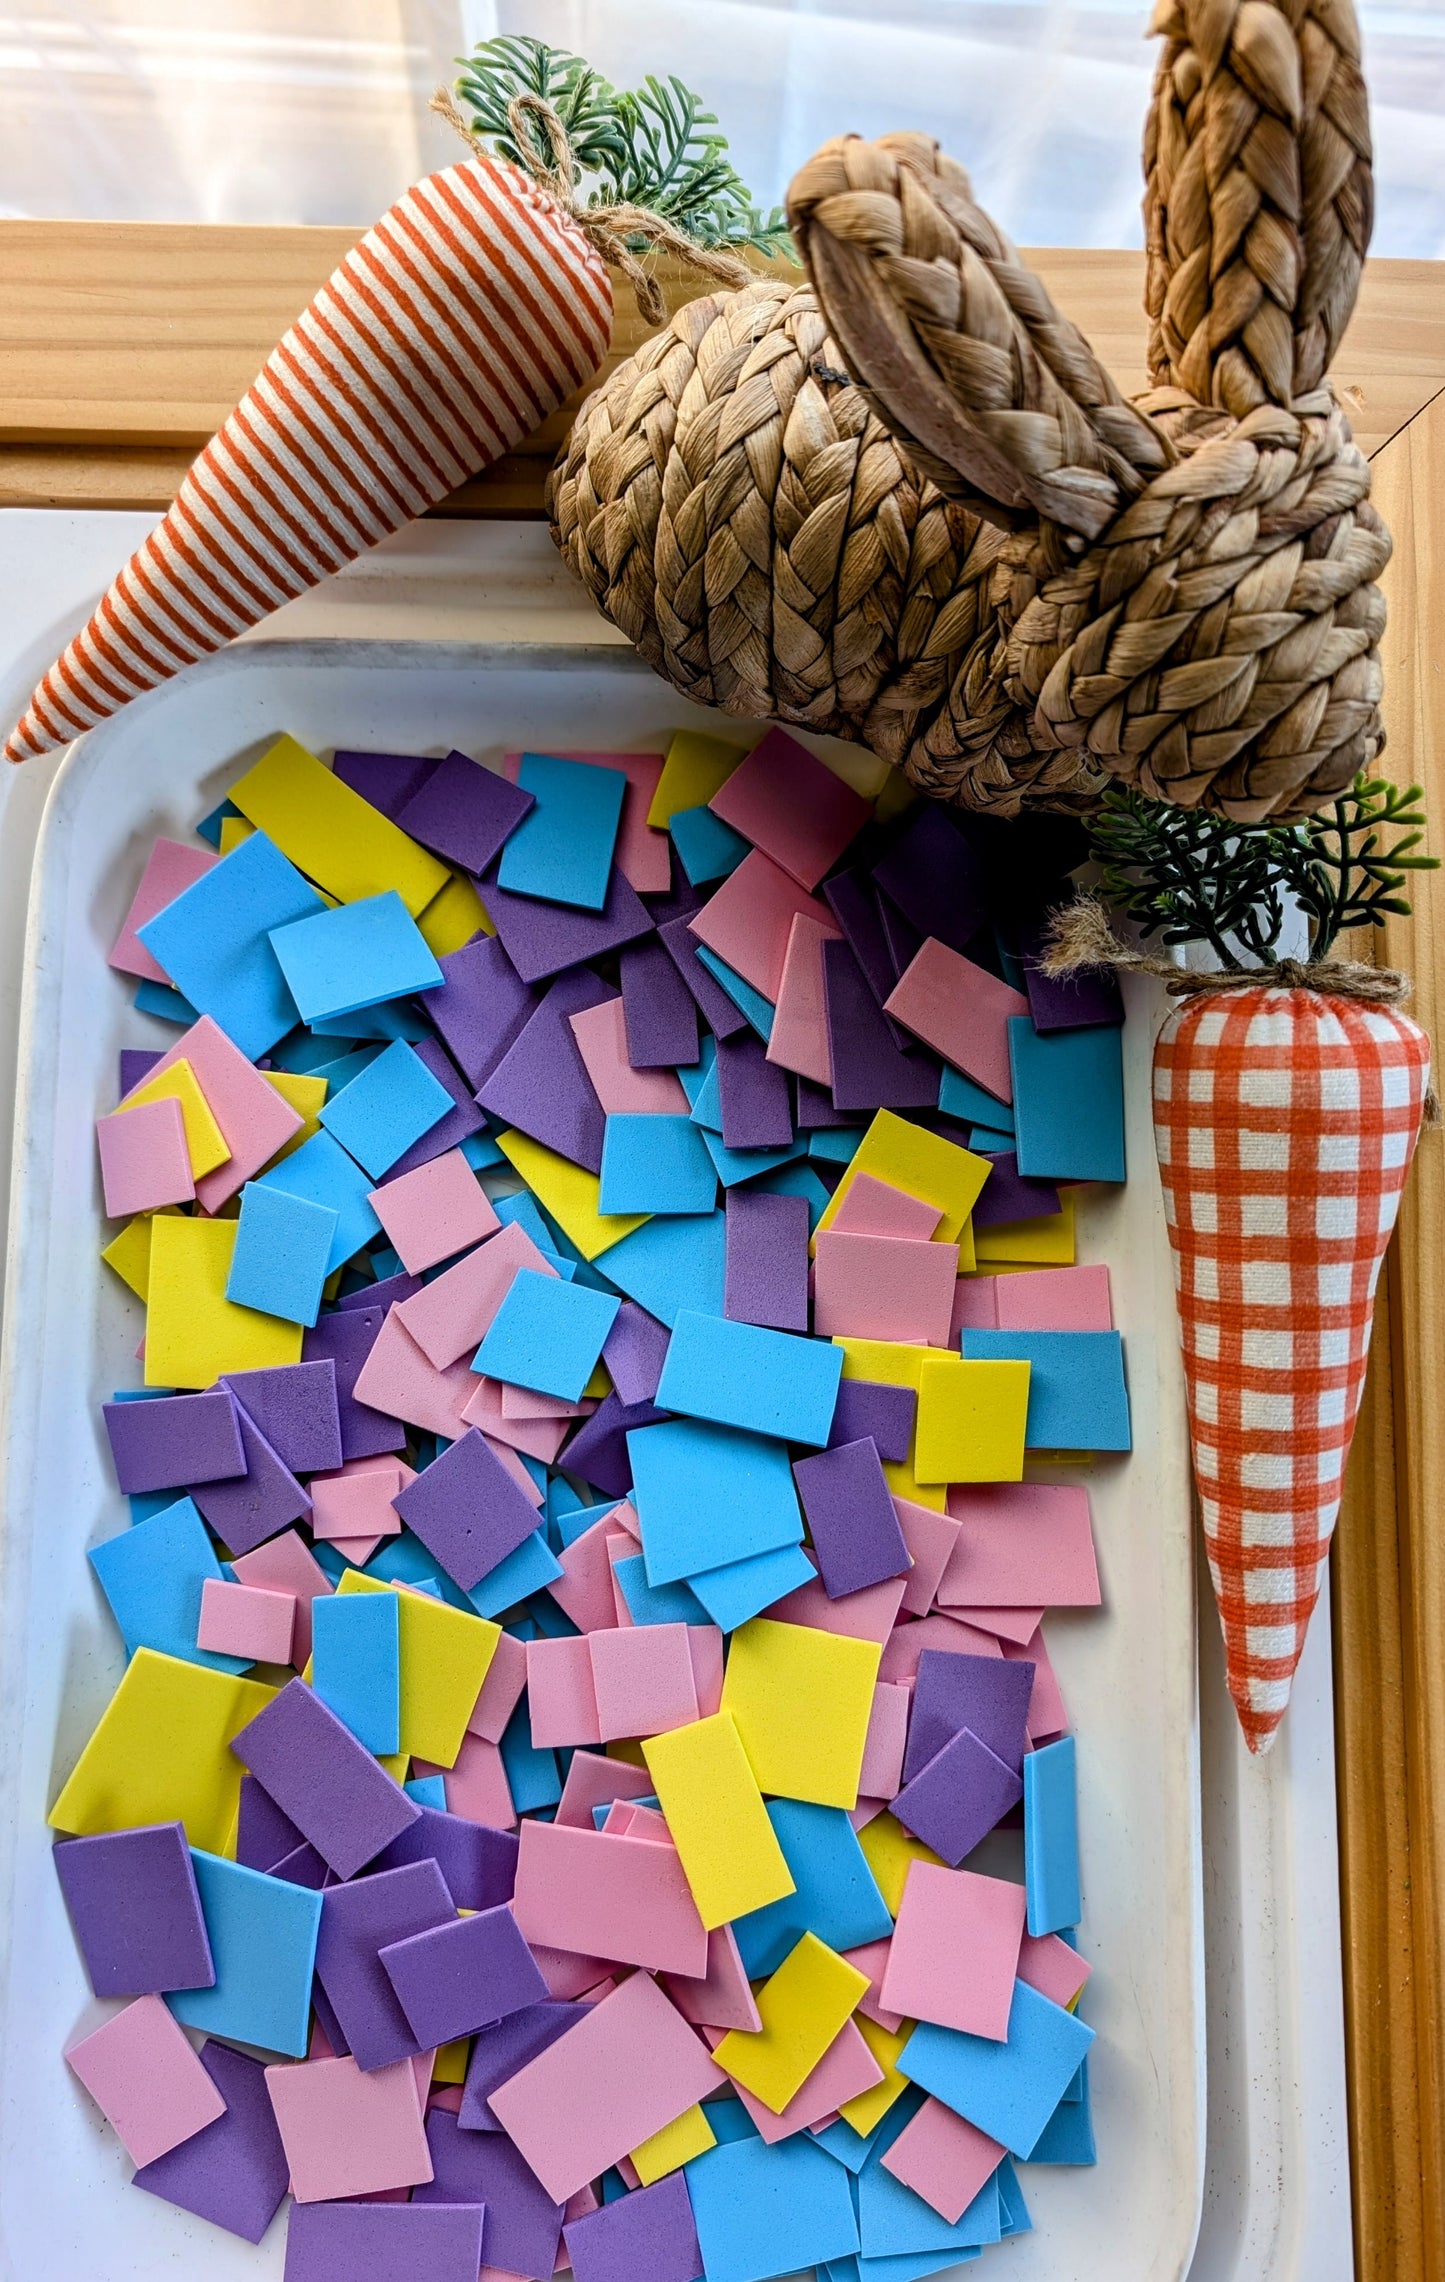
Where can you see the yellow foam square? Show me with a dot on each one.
(729, 1851)
(890, 1852)
(161, 1752)
(331, 834)
(696, 767)
(971, 1418)
(904, 1483)
(883, 1360)
(445, 1656)
(1045, 1243)
(866, 2109)
(307, 1096)
(896, 796)
(453, 917)
(129, 1253)
(802, 1700)
(803, 2007)
(234, 829)
(193, 1332)
(599, 1386)
(677, 2143)
(569, 1192)
(449, 2065)
(206, 1144)
(910, 1157)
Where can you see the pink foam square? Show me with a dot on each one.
(631, 2067)
(902, 1650)
(883, 1287)
(142, 2074)
(955, 1950)
(881, 1776)
(975, 1305)
(346, 2133)
(723, 1997)
(872, 1207)
(792, 806)
(1021, 1543)
(872, 1958)
(255, 1122)
(246, 1620)
(619, 1898)
(642, 853)
(284, 1564)
(930, 1537)
(644, 1680)
(541, 1438)
(1016, 1624)
(505, 1680)
(846, 2069)
(749, 919)
(1056, 1299)
(524, 1403)
(583, 1592)
(943, 2159)
(144, 1161)
(451, 1315)
(1052, 1967)
(800, 1020)
(561, 1703)
(592, 1782)
(961, 1011)
(356, 1501)
(435, 1211)
(399, 1378)
(476, 1786)
(869, 1614)
(171, 867)
(1046, 1714)
(601, 1037)
(705, 1646)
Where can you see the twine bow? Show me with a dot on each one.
(607, 227)
(1081, 934)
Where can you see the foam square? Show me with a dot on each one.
(467, 1509)
(153, 1575)
(281, 1256)
(851, 1517)
(707, 849)
(749, 919)
(356, 1665)
(737, 1374)
(641, 854)
(547, 1335)
(943, 2159)
(247, 1622)
(160, 1752)
(263, 1937)
(802, 1700)
(359, 1919)
(715, 1812)
(1054, 1299)
(356, 1501)
(702, 1491)
(389, 2242)
(446, 1655)
(214, 943)
(961, 1011)
(255, 1119)
(348, 846)
(909, 1157)
(766, 1280)
(883, 1287)
(463, 812)
(694, 767)
(144, 1161)
(791, 805)
(435, 1212)
(135, 1910)
(763, 2210)
(146, 2080)
(322, 1172)
(655, 1163)
(601, 1035)
(875, 1208)
(171, 867)
(206, 1145)
(1068, 1102)
(988, 1695)
(1008, 2090)
(346, 2133)
(1077, 1396)
(386, 1108)
(955, 1950)
(1020, 1548)
(341, 1801)
(356, 955)
(562, 850)
(605, 1895)
(670, 1264)
(1051, 1838)
(193, 1332)
(454, 1978)
(972, 1417)
(643, 1679)
(799, 1039)
(803, 2006)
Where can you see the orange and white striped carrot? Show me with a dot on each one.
(466, 316)
(1284, 1122)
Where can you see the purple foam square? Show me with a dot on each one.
(136, 1911)
(988, 1694)
(659, 1012)
(723, 1018)
(935, 878)
(524, 2225)
(649, 2232)
(235, 2172)
(385, 2242)
(851, 1519)
(958, 1796)
(544, 939)
(303, 1866)
(901, 939)
(294, 1406)
(883, 1414)
(500, 2052)
(461, 1120)
(136, 1064)
(1006, 1195)
(541, 1083)
(597, 1452)
(454, 1978)
(634, 1352)
(1087, 999)
(765, 1276)
(855, 907)
(870, 1070)
(264, 1836)
(386, 1292)
(174, 1442)
(756, 1098)
(345, 1340)
(386, 780)
(266, 1499)
(481, 1007)
(478, 1863)
(465, 812)
(467, 1510)
(357, 1921)
(331, 2027)
(816, 1114)
(340, 1800)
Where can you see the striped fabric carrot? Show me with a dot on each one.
(468, 314)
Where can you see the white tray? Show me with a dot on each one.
(1128, 1674)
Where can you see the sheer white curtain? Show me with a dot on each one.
(315, 110)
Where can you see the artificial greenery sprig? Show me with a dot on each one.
(656, 145)
(1197, 878)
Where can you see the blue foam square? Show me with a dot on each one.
(383, 1111)
(835, 1144)
(427, 1790)
(766, 1382)
(1008, 2090)
(922, 2262)
(762, 2211)
(282, 1253)
(356, 1664)
(547, 1335)
(481, 1152)
(321, 1170)
(757, 1010)
(705, 1101)
(736, 1165)
(669, 1264)
(970, 1103)
(562, 849)
(1051, 1838)
(1014, 2211)
(655, 1164)
(354, 956)
(706, 1495)
(835, 1896)
(164, 1004)
(214, 941)
(655, 1604)
(989, 1140)
(531, 1770)
(263, 1939)
(525, 1570)
(1068, 1090)
(1077, 1396)
(707, 848)
(1068, 2136)
(152, 1576)
(741, 1589)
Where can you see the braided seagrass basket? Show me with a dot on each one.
(905, 504)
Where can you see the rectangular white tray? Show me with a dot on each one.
(1128, 1674)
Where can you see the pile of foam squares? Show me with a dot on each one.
(578, 1629)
